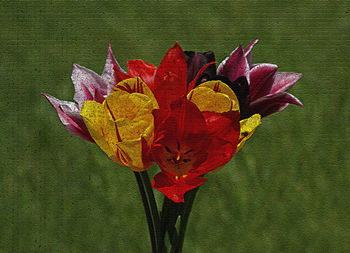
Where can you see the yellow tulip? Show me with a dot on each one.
(123, 124)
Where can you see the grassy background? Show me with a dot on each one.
(288, 190)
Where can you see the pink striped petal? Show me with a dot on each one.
(273, 103)
(111, 70)
(248, 52)
(234, 66)
(283, 81)
(87, 85)
(69, 114)
(261, 80)
(221, 66)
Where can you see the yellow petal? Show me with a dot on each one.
(118, 124)
(100, 128)
(123, 105)
(247, 128)
(214, 96)
(208, 100)
(136, 85)
(132, 115)
(133, 149)
(129, 130)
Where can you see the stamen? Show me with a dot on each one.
(189, 151)
(178, 145)
(168, 149)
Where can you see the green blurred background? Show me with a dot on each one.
(288, 190)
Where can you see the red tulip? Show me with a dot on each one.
(189, 143)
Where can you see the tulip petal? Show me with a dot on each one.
(273, 103)
(136, 85)
(235, 65)
(223, 132)
(71, 110)
(132, 118)
(147, 158)
(247, 128)
(170, 80)
(248, 52)
(190, 122)
(195, 63)
(199, 77)
(283, 81)
(133, 149)
(144, 70)
(133, 129)
(87, 85)
(123, 105)
(261, 79)
(175, 189)
(101, 128)
(112, 72)
(208, 100)
(212, 96)
(68, 113)
(223, 125)
(181, 136)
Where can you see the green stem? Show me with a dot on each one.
(149, 214)
(169, 216)
(189, 198)
(153, 209)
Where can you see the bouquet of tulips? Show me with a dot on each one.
(185, 115)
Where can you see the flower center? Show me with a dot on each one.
(179, 160)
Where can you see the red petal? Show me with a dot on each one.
(159, 117)
(191, 125)
(273, 103)
(175, 189)
(261, 80)
(183, 126)
(223, 125)
(170, 81)
(144, 70)
(223, 131)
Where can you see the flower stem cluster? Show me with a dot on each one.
(184, 115)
